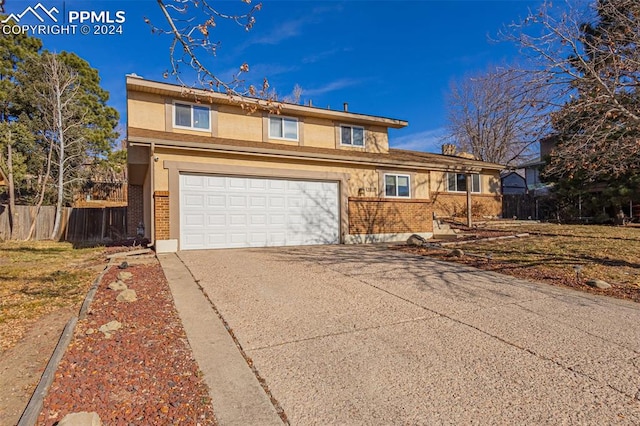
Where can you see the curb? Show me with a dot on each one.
(32, 411)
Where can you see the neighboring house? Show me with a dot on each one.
(513, 183)
(206, 173)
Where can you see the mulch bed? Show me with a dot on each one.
(144, 373)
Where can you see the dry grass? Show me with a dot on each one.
(608, 253)
(37, 278)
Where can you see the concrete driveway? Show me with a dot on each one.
(368, 335)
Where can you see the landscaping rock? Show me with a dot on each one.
(82, 418)
(416, 240)
(123, 276)
(118, 286)
(127, 296)
(110, 326)
(90, 331)
(457, 253)
(598, 284)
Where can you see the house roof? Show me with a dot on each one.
(394, 158)
(139, 84)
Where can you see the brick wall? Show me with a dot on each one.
(161, 206)
(455, 205)
(134, 209)
(389, 216)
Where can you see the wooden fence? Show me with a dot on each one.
(78, 224)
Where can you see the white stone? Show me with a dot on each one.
(82, 418)
(127, 296)
(118, 286)
(110, 326)
(123, 276)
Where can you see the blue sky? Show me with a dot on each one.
(389, 58)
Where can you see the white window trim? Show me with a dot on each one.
(479, 191)
(351, 126)
(191, 105)
(384, 181)
(282, 117)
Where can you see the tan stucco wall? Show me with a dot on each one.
(146, 111)
(366, 177)
(155, 112)
(234, 123)
(319, 133)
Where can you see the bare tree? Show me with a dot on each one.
(190, 23)
(587, 53)
(57, 94)
(497, 116)
(296, 95)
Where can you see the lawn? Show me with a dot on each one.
(552, 252)
(37, 278)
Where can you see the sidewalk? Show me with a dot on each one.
(237, 396)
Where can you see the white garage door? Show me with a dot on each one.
(225, 212)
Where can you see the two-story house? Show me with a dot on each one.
(204, 172)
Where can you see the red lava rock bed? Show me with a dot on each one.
(144, 373)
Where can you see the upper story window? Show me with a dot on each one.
(352, 135)
(397, 186)
(457, 182)
(190, 116)
(283, 128)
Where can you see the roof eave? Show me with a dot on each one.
(140, 84)
(269, 152)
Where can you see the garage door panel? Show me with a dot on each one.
(219, 201)
(276, 202)
(237, 201)
(237, 219)
(236, 183)
(195, 200)
(259, 202)
(227, 211)
(277, 219)
(258, 219)
(258, 184)
(193, 181)
(216, 220)
(194, 220)
(216, 182)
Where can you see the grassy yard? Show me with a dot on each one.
(37, 278)
(552, 251)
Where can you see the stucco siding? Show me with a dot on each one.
(234, 123)
(146, 111)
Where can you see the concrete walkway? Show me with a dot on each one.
(366, 335)
(237, 396)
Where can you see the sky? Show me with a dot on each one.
(388, 58)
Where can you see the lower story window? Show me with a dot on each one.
(457, 182)
(397, 186)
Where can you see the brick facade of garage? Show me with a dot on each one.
(389, 216)
(161, 214)
(455, 205)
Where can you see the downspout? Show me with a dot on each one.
(469, 188)
(152, 225)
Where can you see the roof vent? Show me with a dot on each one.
(346, 106)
